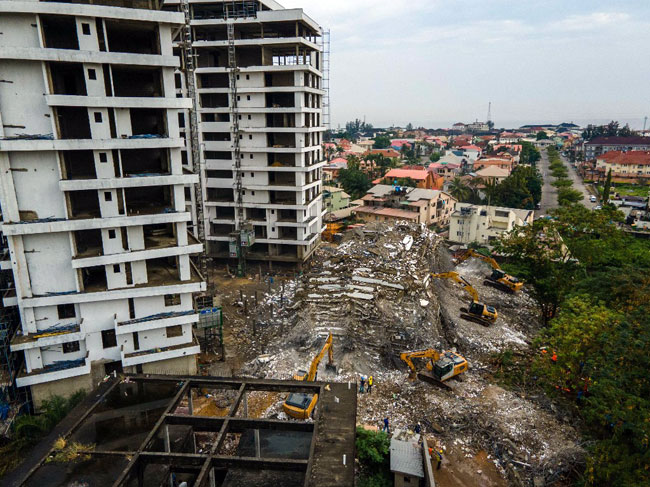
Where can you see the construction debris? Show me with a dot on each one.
(370, 292)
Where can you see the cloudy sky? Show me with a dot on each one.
(434, 62)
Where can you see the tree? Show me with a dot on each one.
(562, 183)
(435, 157)
(459, 189)
(354, 182)
(529, 153)
(381, 142)
(409, 127)
(541, 135)
(357, 128)
(373, 449)
(568, 196)
(607, 188)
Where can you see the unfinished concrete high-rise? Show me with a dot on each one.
(259, 97)
(92, 190)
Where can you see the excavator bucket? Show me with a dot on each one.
(330, 367)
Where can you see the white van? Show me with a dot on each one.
(593, 199)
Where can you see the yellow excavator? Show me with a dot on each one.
(498, 278)
(300, 405)
(477, 311)
(440, 366)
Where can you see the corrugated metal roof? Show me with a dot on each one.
(406, 458)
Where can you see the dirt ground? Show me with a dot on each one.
(370, 293)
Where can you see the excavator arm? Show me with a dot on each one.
(313, 368)
(472, 253)
(408, 357)
(454, 276)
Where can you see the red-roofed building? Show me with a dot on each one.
(345, 144)
(626, 166)
(423, 178)
(461, 140)
(397, 144)
(391, 153)
(504, 161)
(446, 170)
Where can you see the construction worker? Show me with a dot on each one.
(439, 457)
(386, 427)
(369, 385)
(361, 383)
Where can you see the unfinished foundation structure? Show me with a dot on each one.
(146, 431)
(259, 97)
(93, 192)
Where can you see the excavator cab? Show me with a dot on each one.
(483, 312)
(449, 365)
(300, 375)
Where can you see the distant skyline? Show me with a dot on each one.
(436, 62)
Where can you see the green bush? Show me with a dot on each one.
(562, 183)
(373, 450)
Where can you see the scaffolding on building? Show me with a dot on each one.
(239, 9)
(326, 79)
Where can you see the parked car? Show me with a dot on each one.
(593, 199)
(598, 207)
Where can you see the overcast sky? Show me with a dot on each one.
(435, 62)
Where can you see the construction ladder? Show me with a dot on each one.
(197, 164)
(234, 123)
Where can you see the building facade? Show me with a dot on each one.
(386, 203)
(626, 167)
(600, 145)
(93, 193)
(259, 100)
(484, 224)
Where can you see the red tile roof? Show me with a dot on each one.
(641, 158)
(385, 152)
(471, 147)
(407, 173)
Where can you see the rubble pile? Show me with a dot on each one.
(369, 293)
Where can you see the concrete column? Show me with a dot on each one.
(245, 404)
(166, 439)
(212, 482)
(190, 402)
(258, 448)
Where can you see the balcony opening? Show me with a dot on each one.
(288, 57)
(212, 58)
(287, 251)
(159, 236)
(149, 201)
(225, 213)
(283, 120)
(132, 37)
(93, 279)
(249, 56)
(218, 155)
(289, 216)
(260, 231)
(282, 179)
(283, 197)
(214, 80)
(280, 100)
(216, 136)
(162, 271)
(218, 174)
(278, 79)
(287, 233)
(220, 195)
(84, 204)
(140, 81)
(78, 165)
(145, 162)
(281, 160)
(257, 214)
(88, 243)
(281, 140)
(148, 121)
(73, 122)
(222, 229)
(59, 32)
(213, 100)
(215, 117)
(67, 79)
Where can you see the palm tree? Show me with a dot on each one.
(459, 189)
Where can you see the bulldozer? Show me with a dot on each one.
(440, 367)
(477, 311)
(300, 405)
(498, 278)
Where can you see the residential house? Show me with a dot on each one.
(446, 170)
(471, 151)
(390, 153)
(331, 171)
(406, 463)
(335, 199)
(459, 127)
(422, 177)
(484, 224)
(492, 174)
(504, 161)
(478, 127)
(391, 203)
(397, 144)
(600, 145)
(629, 167)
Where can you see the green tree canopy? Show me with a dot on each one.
(381, 142)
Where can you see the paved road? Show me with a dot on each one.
(549, 193)
(578, 184)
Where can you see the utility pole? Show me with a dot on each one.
(645, 121)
